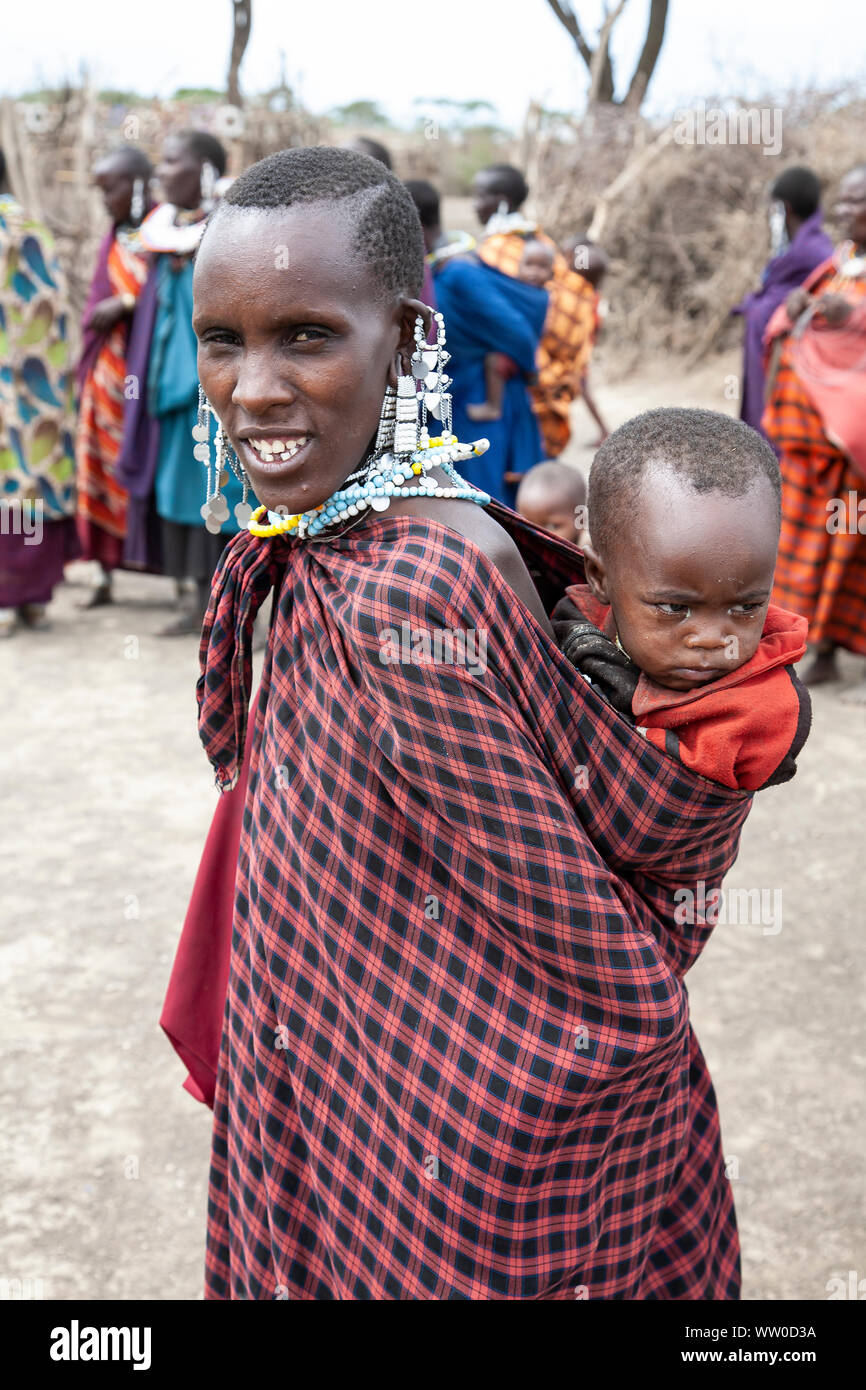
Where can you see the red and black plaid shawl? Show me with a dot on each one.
(457, 1060)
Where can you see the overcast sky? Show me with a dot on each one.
(392, 51)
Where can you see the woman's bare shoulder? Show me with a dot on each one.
(476, 525)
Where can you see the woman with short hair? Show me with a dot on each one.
(456, 1060)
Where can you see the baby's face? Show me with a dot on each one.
(536, 265)
(554, 514)
(689, 581)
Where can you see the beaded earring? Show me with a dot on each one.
(215, 510)
(136, 202)
(385, 434)
(428, 366)
(207, 185)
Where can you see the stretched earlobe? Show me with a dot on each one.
(412, 310)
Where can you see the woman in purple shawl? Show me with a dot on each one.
(805, 245)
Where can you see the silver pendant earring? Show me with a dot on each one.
(207, 185)
(428, 367)
(136, 202)
(215, 511)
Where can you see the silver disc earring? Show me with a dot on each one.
(215, 511)
(207, 185)
(136, 202)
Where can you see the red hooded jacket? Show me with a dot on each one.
(747, 728)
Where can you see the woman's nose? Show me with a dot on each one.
(260, 384)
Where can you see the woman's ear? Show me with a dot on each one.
(596, 574)
(408, 311)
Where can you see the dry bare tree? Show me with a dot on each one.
(598, 60)
(243, 20)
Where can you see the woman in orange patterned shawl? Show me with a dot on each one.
(816, 417)
(120, 273)
(566, 344)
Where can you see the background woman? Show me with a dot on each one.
(500, 191)
(486, 312)
(805, 245)
(37, 458)
(166, 482)
(816, 417)
(123, 178)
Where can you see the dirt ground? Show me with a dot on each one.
(107, 801)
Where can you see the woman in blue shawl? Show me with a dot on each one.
(485, 312)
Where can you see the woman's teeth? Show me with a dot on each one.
(270, 449)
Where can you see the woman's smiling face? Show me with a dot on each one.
(296, 343)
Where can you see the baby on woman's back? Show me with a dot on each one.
(675, 626)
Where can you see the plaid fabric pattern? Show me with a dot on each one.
(566, 344)
(820, 574)
(457, 1061)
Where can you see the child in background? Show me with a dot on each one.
(674, 627)
(553, 495)
(535, 268)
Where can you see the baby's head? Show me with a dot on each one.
(553, 495)
(536, 263)
(588, 259)
(684, 514)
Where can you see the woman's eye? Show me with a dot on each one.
(219, 335)
(745, 610)
(678, 610)
(309, 335)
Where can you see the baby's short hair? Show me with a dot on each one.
(711, 452)
(552, 479)
(534, 243)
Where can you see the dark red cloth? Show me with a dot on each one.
(194, 1008)
(98, 544)
(457, 1061)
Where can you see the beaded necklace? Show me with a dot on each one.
(373, 487)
